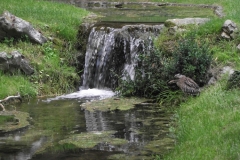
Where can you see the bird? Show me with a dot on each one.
(186, 84)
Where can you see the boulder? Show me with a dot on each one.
(17, 28)
(229, 30)
(14, 61)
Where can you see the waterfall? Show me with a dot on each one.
(112, 53)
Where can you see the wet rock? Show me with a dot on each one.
(229, 30)
(17, 28)
(13, 62)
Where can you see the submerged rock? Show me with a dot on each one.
(92, 139)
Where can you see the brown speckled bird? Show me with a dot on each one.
(186, 84)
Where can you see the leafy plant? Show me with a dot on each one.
(8, 41)
(155, 69)
(192, 58)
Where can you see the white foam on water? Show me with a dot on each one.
(86, 93)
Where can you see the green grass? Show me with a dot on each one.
(50, 17)
(208, 126)
(11, 85)
(51, 61)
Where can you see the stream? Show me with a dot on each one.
(142, 131)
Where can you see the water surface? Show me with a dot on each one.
(55, 119)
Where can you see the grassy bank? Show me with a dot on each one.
(207, 126)
(51, 61)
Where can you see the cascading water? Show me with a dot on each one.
(112, 53)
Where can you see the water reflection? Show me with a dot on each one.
(57, 119)
(23, 153)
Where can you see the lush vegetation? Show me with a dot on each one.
(53, 61)
(206, 126)
(190, 57)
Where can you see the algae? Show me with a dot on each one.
(161, 145)
(91, 139)
(20, 121)
(112, 104)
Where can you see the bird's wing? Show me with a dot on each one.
(190, 83)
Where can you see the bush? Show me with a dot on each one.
(156, 68)
(193, 59)
(150, 76)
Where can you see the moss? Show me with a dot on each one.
(169, 24)
(91, 139)
(21, 121)
(161, 145)
(126, 157)
(6, 118)
(112, 104)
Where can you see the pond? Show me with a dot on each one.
(63, 128)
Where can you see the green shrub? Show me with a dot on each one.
(156, 68)
(150, 76)
(192, 58)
